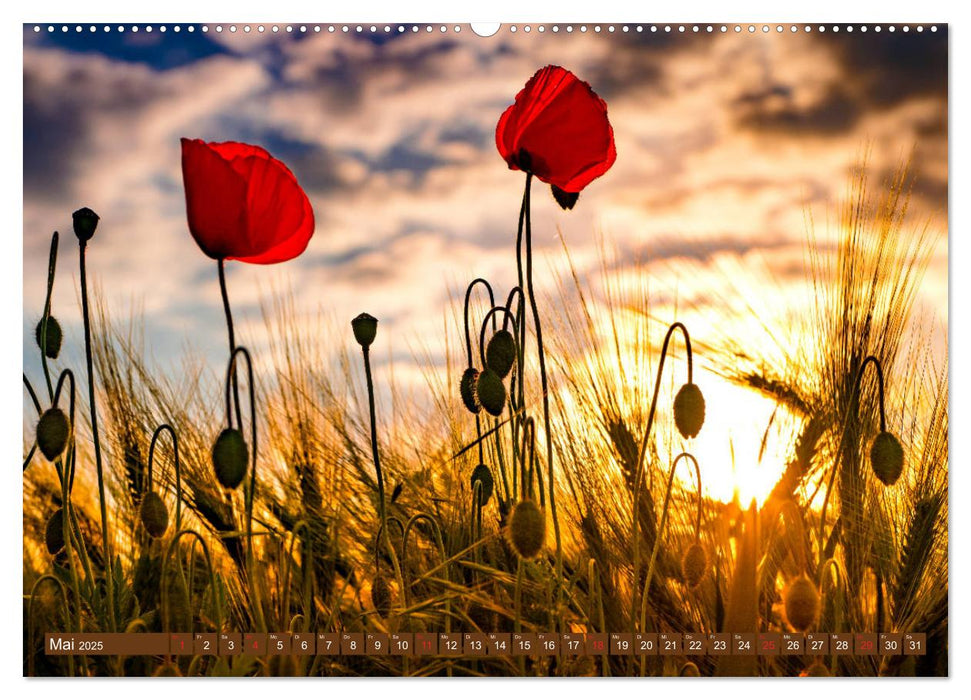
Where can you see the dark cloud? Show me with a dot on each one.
(774, 109)
(888, 68)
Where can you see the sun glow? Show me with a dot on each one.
(741, 448)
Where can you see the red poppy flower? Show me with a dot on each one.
(558, 130)
(243, 204)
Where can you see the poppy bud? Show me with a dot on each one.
(693, 565)
(85, 224)
(802, 603)
(51, 345)
(689, 410)
(483, 476)
(229, 458)
(689, 669)
(54, 533)
(887, 458)
(53, 430)
(491, 392)
(501, 353)
(526, 531)
(154, 515)
(381, 595)
(365, 329)
(470, 378)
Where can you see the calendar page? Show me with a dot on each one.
(525, 349)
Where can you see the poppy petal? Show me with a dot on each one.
(214, 196)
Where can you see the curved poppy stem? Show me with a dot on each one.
(642, 450)
(165, 427)
(468, 345)
(221, 264)
(868, 360)
(660, 531)
(30, 618)
(109, 564)
(33, 397)
(250, 494)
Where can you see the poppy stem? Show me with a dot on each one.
(530, 292)
(106, 542)
(232, 335)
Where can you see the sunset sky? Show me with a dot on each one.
(726, 144)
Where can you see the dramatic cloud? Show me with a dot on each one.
(724, 142)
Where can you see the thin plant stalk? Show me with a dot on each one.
(165, 427)
(109, 564)
(642, 451)
(250, 493)
(382, 508)
(51, 267)
(660, 535)
(221, 265)
(868, 360)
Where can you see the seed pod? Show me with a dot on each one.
(526, 531)
(816, 669)
(365, 328)
(689, 669)
(887, 458)
(85, 224)
(802, 603)
(229, 458)
(483, 476)
(153, 514)
(470, 378)
(694, 564)
(689, 410)
(491, 392)
(54, 532)
(501, 353)
(53, 430)
(54, 337)
(381, 595)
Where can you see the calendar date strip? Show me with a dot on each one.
(469, 644)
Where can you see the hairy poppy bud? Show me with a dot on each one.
(689, 410)
(470, 378)
(501, 353)
(54, 532)
(365, 329)
(85, 224)
(53, 430)
(154, 515)
(802, 603)
(51, 346)
(483, 476)
(693, 565)
(229, 458)
(527, 529)
(491, 392)
(381, 595)
(887, 458)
